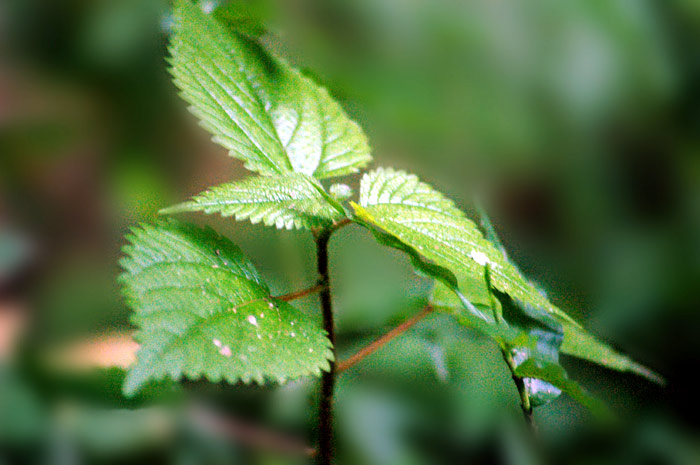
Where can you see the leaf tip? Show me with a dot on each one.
(649, 374)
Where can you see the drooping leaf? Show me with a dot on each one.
(418, 216)
(413, 212)
(285, 201)
(258, 107)
(577, 341)
(465, 312)
(203, 311)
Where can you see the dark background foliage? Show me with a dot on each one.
(576, 122)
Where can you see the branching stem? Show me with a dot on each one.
(379, 343)
(340, 224)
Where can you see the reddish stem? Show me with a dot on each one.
(303, 293)
(379, 343)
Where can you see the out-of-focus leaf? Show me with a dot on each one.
(203, 310)
(106, 433)
(265, 112)
(22, 414)
(285, 201)
(15, 251)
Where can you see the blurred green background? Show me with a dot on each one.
(577, 123)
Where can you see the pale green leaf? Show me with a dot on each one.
(203, 311)
(285, 201)
(258, 107)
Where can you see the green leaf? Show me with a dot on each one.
(554, 374)
(418, 216)
(547, 334)
(421, 217)
(582, 344)
(538, 365)
(286, 201)
(246, 18)
(258, 107)
(203, 311)
(577, 341)
(466, 313)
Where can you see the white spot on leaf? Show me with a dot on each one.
(479, 257)
(225, 351)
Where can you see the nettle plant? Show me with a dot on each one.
(202, 309)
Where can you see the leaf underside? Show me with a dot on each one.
(262, 110)
(292, 200)
(203, 311)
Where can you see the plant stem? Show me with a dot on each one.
(525, 404)
(522, 390)
(325, 420)
(341, 224)
(379, 343)
(299, 294)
